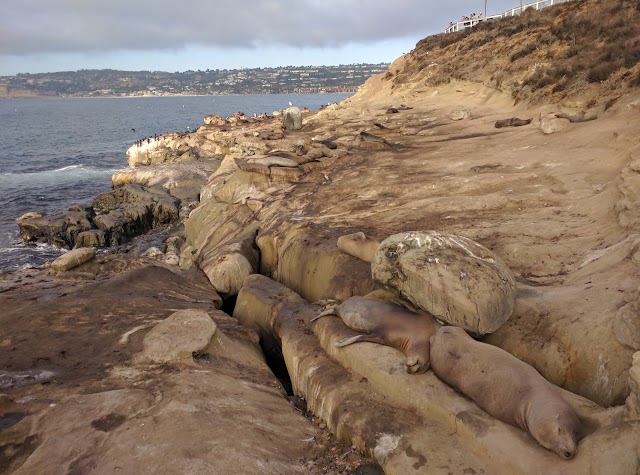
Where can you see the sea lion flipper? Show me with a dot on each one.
(359, 338)
(324, 313)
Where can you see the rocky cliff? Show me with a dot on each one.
(432, 145)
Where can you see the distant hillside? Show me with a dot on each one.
(582, 48)
(108, 82)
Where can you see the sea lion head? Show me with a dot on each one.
(561, 433)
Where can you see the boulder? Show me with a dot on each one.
(454, 278)
(73, 259)
(292, 118)
(552, 124)
(175, 339)
(460, 113)
(92, 238)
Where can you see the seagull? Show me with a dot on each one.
(133, 130)
(290, 104)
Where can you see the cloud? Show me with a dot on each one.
(74, 26)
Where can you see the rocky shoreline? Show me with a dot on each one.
(191, 348)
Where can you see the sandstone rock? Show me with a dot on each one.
(175, 339)
(627, 325)
(92, 238)
(454, 278)
(230, 264)
(214, 120)
(551, 124)
(59, 229)
(292, 118)
(304, 257)
(72, 259)
(633, 401)
(460, 113)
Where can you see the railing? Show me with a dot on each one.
(537, 5)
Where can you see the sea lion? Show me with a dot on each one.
(365, 136)
(582, 116)
(506, 388)
(275, 161)
(512, 122)
(358, 245)
(388, 324)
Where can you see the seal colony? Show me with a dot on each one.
(501, 384)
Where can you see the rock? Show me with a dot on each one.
(177, 338)
(73, 259)
(292, 118)
(153, 252)
(60, 229)
(460, 113)
(551, 124)
(454, 278)
(231, 263)
(633, 401)
(92, 238)
(214, 120)
(626, 325)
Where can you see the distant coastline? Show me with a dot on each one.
(112, 83)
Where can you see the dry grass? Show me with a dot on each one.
(554, 51)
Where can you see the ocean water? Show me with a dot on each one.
(57, 152)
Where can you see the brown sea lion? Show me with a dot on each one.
(506, 388)
(582, 116)
(512, 122)
(358, 245)
(387, 324)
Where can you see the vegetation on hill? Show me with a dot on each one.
(577, 47)
(109, 82)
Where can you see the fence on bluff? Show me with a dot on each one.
(537, 5)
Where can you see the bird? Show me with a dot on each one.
(133, 129)
(290, 104)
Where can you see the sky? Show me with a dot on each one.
(178, 35)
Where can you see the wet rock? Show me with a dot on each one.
(59, 229)
(92, 238)
(73, 259)
(454, 278)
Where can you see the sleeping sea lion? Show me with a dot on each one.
(506, 388)
(512, 122)
(358, 245)
(387, 324)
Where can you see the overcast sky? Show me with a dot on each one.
(171, 35)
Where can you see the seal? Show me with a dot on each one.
(512, 122)
(387, 324)
(506, 388)
(358, 245)
(582, 116)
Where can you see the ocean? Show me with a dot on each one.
(56, 152)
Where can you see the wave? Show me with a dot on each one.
(70, 167)
(57, 176)
(19, 255)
